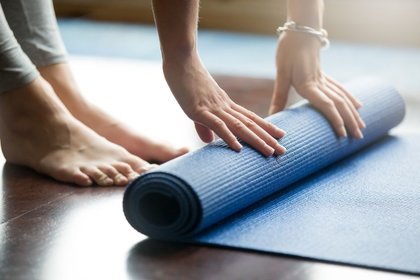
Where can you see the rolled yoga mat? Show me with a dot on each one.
(351, 212)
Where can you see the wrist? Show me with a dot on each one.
(300, 41)
(180, 65)
(306, 12)
(292, 27)
(179, 54)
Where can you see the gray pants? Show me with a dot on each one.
(29, 38)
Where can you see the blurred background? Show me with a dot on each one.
(237, 37)
(375, 21)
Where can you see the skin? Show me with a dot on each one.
(210, 107)
(198, 94)
(42, 134)
(60, 77)
(58, 133)
(298, 65)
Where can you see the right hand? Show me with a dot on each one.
(212, 110)
(298, 66)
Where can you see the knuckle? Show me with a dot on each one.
(249, 123)
(230, 139)
(218, 123)
(340, 102)
(196, 113)
(238, 125)
(253, 116)
(338, 123)
(327, 103)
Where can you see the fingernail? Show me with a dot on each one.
(358, 134)
(363, 123)
(269, 151)
(280, 150)
(132, 176)
(183, 150)
(342, 132)
(151, 166)
(120, 180)
(237, 146)
(280, 132)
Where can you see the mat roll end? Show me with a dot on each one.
(161, 205)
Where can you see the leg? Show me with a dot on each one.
(35, 28)
(37, 131)
(40, 38)
(61, 79)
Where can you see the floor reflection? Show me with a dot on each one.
(94, 237)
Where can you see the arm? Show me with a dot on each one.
(196, 91)
(298, 66)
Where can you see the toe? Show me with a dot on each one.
(71, 175)
(126, 169)
(118, 178)
(97, 176)
(138, 165)
(82, 179)
(165, 153)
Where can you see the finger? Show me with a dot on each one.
(326, 106)
(118, 178)
(350, 96)
(356, 114)
(261, 133)
(220, 128)
(206, 135)
(266, 125)
(345, 112)
(281, 91)
(97, 176)
(248, 136)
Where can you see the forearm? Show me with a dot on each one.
(176, 21)
(306, 12)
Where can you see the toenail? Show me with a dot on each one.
(120, 179)
(106, 181)
(132, 176)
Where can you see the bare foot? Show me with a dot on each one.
(61, 79)
(37, 131)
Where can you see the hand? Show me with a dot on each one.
(212, 110)
(298, 66)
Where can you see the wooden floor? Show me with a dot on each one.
(51, 230)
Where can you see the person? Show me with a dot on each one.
(46, 124)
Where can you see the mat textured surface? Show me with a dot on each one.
(364, 209)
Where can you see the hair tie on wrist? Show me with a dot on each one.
(321, 34)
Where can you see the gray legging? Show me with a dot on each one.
(29, 38)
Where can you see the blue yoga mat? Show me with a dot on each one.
(340, 200)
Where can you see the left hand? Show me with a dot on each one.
(298, 65)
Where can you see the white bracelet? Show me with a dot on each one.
(322, 34)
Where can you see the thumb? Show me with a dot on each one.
(280, 94)
(204, 132)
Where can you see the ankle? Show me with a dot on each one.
(60, 77)
(35, 102)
